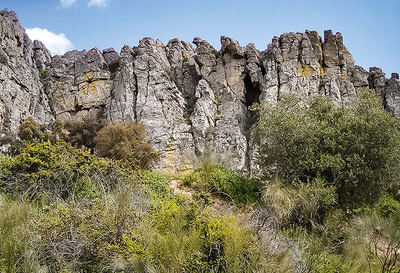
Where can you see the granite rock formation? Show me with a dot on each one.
(192, 100)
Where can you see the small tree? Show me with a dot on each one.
(354, 148)
(127, 143)
(30, 131)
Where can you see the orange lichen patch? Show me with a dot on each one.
(185, 57)
(343, 75)
(322, 70)
(304, 71)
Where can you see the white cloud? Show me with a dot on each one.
(56, 43)
(99, 3)
(67, 3)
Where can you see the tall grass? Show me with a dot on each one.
(16, 239)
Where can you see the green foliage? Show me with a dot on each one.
(312, 254)
(356, 149)
(218, 179)
(127, 143)
(184, 238)
(30, 131)
(15, 225)
(57, 170)
(156, 183)
(387, 207)
(305, 204)
(82, 133)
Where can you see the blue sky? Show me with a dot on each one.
(371, 29)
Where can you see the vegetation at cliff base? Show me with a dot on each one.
(78, 199)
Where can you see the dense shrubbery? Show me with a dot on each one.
(217, 179)
(56, 170)
(355, 149)
(329, 203)
(185, 238)
(82, 133)
(304, 204)
(126, 143)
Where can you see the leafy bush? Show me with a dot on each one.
(387, 206)
(57, 170)
(82, 133)
(30, 131)
(311, 254)
(127, 143)
(218, 179)
(356, 149)
(156, 183)
(75, 235)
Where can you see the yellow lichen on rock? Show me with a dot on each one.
(90, 83)
(304, 71)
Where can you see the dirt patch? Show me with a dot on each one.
(177, 186)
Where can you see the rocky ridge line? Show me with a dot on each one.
(191, 100)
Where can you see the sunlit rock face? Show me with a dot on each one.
(21, 90)
(193, 99)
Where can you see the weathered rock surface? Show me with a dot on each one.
(193, 101)
(21, 91)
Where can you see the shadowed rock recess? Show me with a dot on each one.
(191, 100)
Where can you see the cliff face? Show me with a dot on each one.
(192, 100)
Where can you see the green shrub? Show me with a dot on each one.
(76, 236)
(304, 204)
(156, 183)
(182, 238)
(387, 206)
(127, 143)
(82, 133)
(30, 131)
(218, 179)
(356, 149)
(57, 170)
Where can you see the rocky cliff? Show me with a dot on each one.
(192, 100)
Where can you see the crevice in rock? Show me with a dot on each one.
(253, 91)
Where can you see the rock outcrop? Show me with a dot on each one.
(193, 101)
(21, 90)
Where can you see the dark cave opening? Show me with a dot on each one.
(252, 91)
